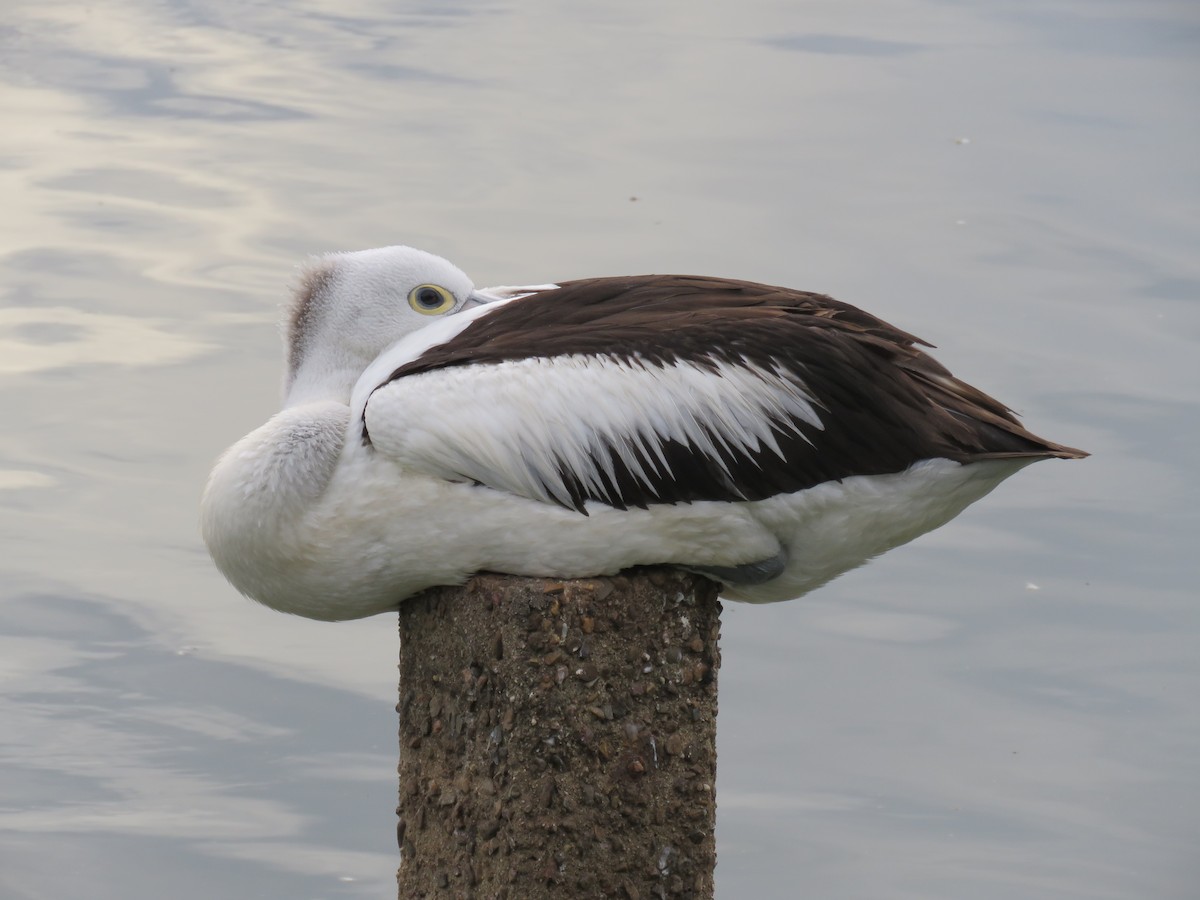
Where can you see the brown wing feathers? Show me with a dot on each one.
(884, 403)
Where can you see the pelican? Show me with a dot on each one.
(767, 437)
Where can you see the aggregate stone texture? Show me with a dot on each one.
(558, 738)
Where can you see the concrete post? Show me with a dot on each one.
(558, 738)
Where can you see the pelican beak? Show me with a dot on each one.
(476, 298)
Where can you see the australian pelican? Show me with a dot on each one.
(768, 437)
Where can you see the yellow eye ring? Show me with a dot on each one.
(430, 299)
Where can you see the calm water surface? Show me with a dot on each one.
(1006, 709)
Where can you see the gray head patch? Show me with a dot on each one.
(311, 297)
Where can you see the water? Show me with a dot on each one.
(1004, 709)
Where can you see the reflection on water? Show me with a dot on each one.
(33, 339)
(154, 751)
(1005, 709)
(12, 479)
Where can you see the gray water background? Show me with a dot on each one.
(1008, 708)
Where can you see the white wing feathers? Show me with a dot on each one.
(532, 427)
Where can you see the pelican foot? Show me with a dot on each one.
(759, 572)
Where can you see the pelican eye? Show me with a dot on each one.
(430, 299)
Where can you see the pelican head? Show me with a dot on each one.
(350, 307)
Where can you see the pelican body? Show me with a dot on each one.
(769, 438)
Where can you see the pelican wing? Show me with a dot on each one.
(668, 389)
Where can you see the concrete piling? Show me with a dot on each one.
(558, 738)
